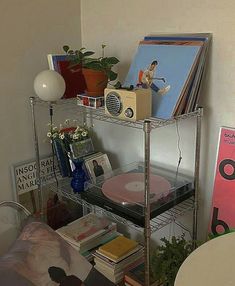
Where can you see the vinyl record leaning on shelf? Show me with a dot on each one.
(129, 188)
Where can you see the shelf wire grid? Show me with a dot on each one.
(64, 189)
(99, 114)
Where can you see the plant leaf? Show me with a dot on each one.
(66, 48)
(112, 60)
(117, 85)
(93, 65)
(88, 53)
(111, 75)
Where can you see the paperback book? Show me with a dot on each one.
(118, 248)
(84, 228)
(131, 257)
(128, 254)
(135, 277)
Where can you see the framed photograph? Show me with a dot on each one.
(81, 148)
(98, 166)
(90, 101)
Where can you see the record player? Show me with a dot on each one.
(122, 191)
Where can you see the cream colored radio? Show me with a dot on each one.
(128, 105)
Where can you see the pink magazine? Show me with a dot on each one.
(85, 228)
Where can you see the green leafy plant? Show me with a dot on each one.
(167, 259)
(85, 59)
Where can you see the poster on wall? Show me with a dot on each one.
(222, 218)
(24, 180)
(57, 210)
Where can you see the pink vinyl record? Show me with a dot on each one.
(129, 188)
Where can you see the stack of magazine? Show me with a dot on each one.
(116, 257)
(173, 67)
(88, 232)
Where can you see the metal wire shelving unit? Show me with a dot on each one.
(64, 189)
(147, 126)
(99, 114)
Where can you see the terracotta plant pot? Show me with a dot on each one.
(96, 82)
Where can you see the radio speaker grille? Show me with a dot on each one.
(113, 104)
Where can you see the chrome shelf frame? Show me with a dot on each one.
(147, 126)
(63, 189)
(99, 114)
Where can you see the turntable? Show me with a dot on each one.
(122, 191)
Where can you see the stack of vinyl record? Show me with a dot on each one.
(173, 67)
(118, 256)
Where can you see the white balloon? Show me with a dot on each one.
(49, 85)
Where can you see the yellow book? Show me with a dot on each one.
(118, 247)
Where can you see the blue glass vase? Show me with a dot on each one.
(78, 176)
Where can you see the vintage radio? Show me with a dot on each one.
(128, 105)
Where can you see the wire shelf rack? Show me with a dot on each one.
(62, 188)
(99, 114)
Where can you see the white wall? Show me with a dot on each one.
(121, 24)
(29, 31)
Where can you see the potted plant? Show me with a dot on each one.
(167, 259)
(97, 71)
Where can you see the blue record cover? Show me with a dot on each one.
(184, 37)
(165, 68)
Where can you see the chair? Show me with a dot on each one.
(12, 217)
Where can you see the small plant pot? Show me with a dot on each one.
(96, 82)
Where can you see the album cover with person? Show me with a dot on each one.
(98, 166)
(168, 69)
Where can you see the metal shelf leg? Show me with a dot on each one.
(36, 146)
(147, 230)
(196, 174)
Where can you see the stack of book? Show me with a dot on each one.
(118, 256)
(172, 66)
(88, 232)
(135, 277)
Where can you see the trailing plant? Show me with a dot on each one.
(85, 59)
(167, 259)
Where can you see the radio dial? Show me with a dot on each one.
(129, 112)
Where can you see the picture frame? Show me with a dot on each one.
(74, 79)
(98, 167)
(90, 101)
(81, 148)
